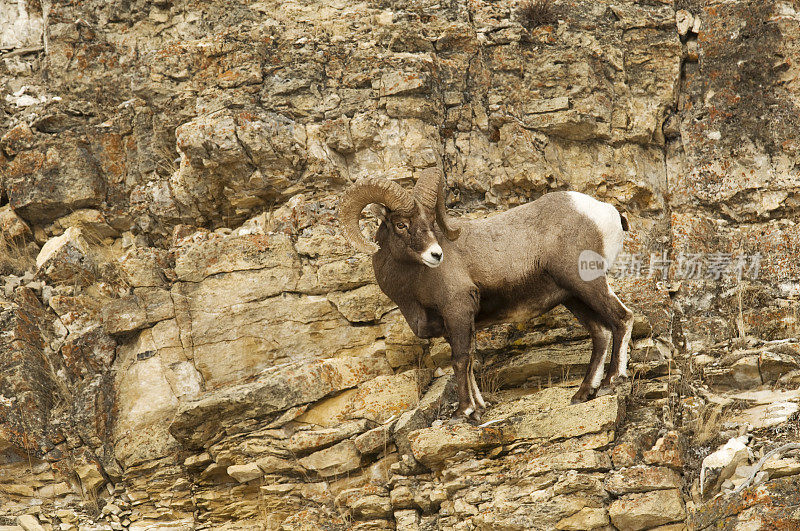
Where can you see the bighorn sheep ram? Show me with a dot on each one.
(450, 275)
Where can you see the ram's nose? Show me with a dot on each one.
(432, 256)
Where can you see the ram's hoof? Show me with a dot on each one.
(613, 382)
(457, 419)
(615, 385)
(583, 396)
(579, 398)
(471, 416)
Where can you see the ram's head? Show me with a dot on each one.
(408, 217)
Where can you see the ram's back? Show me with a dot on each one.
(523, 260)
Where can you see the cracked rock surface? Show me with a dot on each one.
(188, 342)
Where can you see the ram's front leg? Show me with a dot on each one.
(424, 323)
(430, 325)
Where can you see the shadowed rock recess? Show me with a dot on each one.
(187, 341)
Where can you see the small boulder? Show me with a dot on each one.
(625, 454)
(766, 415)
(245, 473)
(668, 451)
(407, 519)
(19, 138)
(395, 83)
(369, 501)
(198, 461)
(372, 507)
(378, 400)
(308, 440)
(633, 512)
(112, 508)
(29, 522)
(742, 474)
(11, 225)
(374, 440)
(741, 374)
(684, 21)
(402, 497)
(54, 490)
(337, 459)
(581, 460)
(440, 391)
(642, 479)
(431, 446)
(271, 464)
(124, 315)
(91, 477)
(65, 259)
(586, 518)
(773, 365)
(721, 465)
(778, 467)
(91, 221)
(574, 481)
(361, 305)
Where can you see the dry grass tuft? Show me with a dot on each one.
(490, 381)
(535, 13)
(708, 424)
(15, 257)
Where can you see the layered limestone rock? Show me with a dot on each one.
(188, 342)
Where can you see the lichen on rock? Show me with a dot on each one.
(187, 340)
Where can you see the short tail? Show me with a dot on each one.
(624, 219)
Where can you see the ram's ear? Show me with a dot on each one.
(379, 211)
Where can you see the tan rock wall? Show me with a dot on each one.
(186, 340)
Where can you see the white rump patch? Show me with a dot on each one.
(608, 222)
(433, 255)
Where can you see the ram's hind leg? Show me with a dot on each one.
(598, 295)
(601, 337)
(622, 336)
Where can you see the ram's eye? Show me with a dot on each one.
(400, 225)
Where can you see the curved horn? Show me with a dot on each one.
(443, 219)
(429, 191)
(426, 191)
(365, 191)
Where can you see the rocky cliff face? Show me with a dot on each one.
(187, 342)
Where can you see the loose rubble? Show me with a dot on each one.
(187, 341)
